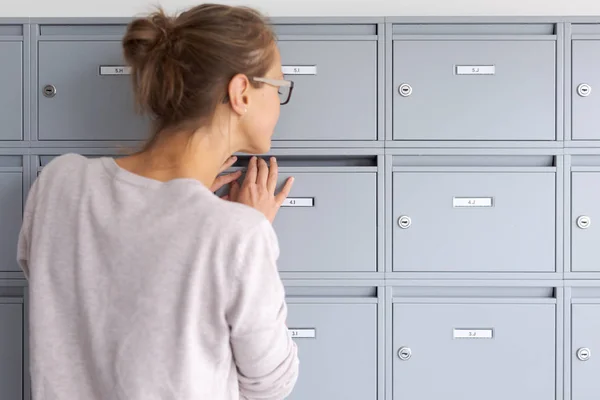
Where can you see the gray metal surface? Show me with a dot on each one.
(441, 329)
(85, 105)
(11, 89)
(585, 234)
(337, 339)
(585, 91)
(511, 345)
(11, 349)
(11, 200)
(474, 221)
(584, 349)
(511, 96)
(344, 70)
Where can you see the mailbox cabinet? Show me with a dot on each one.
(474, 221)
(85, 93)
(11, 210)
(466, 350)
(11, 348)
(337, 344)
(11, 84)
(585, 342)
(585, 91)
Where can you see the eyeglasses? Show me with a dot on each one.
(285, 88)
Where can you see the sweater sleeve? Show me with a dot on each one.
(265, 355)
(25, 232)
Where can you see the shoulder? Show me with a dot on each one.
(66, 168)
(238, 226)
(70, 162)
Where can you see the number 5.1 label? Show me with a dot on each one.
(299, 69)
(473, 333)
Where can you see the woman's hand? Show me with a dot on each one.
(258, 188)
(223, 180)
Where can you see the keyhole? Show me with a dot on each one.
(49, 91)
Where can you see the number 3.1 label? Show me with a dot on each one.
(302, 333)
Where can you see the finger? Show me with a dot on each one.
(234, 190)
(224, 180)
(251, 173)
(228, 163)
(273, 173)
(226, 197)
(285, 191)
(263, 172)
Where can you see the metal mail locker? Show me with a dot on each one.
(328, 223)
(585, 342)
(11, 349)
(471, 346)
(328, 63)
(474, 82)
(473, 218)
(585, 208)
(11, 210)
(84, 89)
(336, 336)
(11, 82)
(585, 82)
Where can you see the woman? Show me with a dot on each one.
(143, 283)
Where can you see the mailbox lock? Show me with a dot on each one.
(405, 90)
(584, 354)
(49, 91)
(405, 353)
(404, 222)
(584, 222)
(584, 90)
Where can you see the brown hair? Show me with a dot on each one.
(181, 66)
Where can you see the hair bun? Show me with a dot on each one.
(146, 37)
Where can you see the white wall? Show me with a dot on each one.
(127, 8)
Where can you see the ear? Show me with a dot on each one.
(238, 89)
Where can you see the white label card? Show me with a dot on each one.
(462, 202)
(115, 70)
(473, 334)
(475, 70)
(303, 333)
(299, 69)
(299, 202)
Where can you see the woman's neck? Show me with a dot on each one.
(198, 156)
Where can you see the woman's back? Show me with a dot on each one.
(148, 299)
(143, 283)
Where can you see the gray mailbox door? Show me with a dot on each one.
(11, 350)
(474, 90)
(585, 348)
(471, 351)
(585, 92)
(85, 93)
